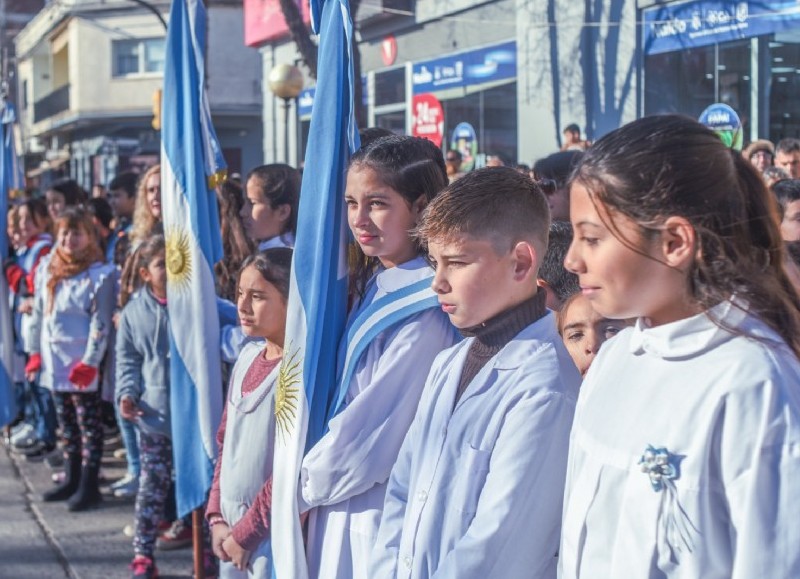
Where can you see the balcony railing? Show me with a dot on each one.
(52, 104)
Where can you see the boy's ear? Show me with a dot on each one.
(525, 261)
(678, 242)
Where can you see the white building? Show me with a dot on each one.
(88, 75)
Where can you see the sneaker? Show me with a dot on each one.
(126, 487)
(178, 536)
(143, 568)
(21, 427)
(25, 438)
(37, 452)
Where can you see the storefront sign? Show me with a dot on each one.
(427, 118)
(724, 121)
(389, 50)
(305, 102)
(264, 20)
(700, 23)
(465, 141)
(480, 66)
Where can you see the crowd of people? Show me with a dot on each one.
(483, 433)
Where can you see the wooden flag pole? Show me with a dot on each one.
(197, 543)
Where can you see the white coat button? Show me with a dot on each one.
(422, 495)
(407, 562)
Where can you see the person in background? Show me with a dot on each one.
(453, 162)
(102, 216)
(236, 245)
(572, 139)
(787, 193)
(774, 174)
(147, 211)
(71, 319)
(495, 161)
(584, 330)
(552, 173)
(787, 156)
(98, 191)
(34, 226)
(269, 213)
(122, 198)
(760, 153)
(559, 283)
(62, 194)
(143, 398)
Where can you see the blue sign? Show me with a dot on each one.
(724, 121)
(701, 23)
(305, 102)
(490, 64)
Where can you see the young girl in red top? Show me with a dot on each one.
(241, 493)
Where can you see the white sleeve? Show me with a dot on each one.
(383, 561)
(364, 439)
(760, 464)
(517, 523)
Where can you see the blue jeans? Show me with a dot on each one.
(130, 440)
(45, 420)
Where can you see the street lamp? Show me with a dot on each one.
(285, 82)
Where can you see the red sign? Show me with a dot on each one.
(264, 21)
(389, 50)
(428, 118)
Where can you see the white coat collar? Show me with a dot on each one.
(283, 240)
(690, 336)
(403, 275)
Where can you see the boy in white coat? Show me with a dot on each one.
(478, 486)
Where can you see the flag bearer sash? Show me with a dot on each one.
(377, 317)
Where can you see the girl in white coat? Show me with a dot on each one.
(71, 320)
(683, 456)
(241, 492)
(343, 477)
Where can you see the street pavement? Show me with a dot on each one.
(44, 540)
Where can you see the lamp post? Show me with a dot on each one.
(285, 82)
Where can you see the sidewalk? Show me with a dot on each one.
(43, 540)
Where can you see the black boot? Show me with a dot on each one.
(72, 475)
(88, 494)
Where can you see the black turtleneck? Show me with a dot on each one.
(492, 335)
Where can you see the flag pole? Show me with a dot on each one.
(197, 543)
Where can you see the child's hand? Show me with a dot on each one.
(82, 375)
(115, 319)
(33, 366)
(128, 409)
(26, 306)
(238, 556)
(219, 533)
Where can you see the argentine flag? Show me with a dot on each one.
(190, 159)
(318, 290)
(10, 179)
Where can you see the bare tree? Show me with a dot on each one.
(301, 35)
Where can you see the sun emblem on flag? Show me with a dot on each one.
(287, 394)
(179, 258)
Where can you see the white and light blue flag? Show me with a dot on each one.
(190, 160)
(10, 178)
(318, 289)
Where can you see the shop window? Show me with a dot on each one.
(138, 56)
(690, 80)
(784, 106)
(390, 87)
(493, 115)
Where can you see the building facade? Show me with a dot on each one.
(505, 77)
(89, 80)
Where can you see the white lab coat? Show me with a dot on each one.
(344, 475)
(727, 407)
(476, 492)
